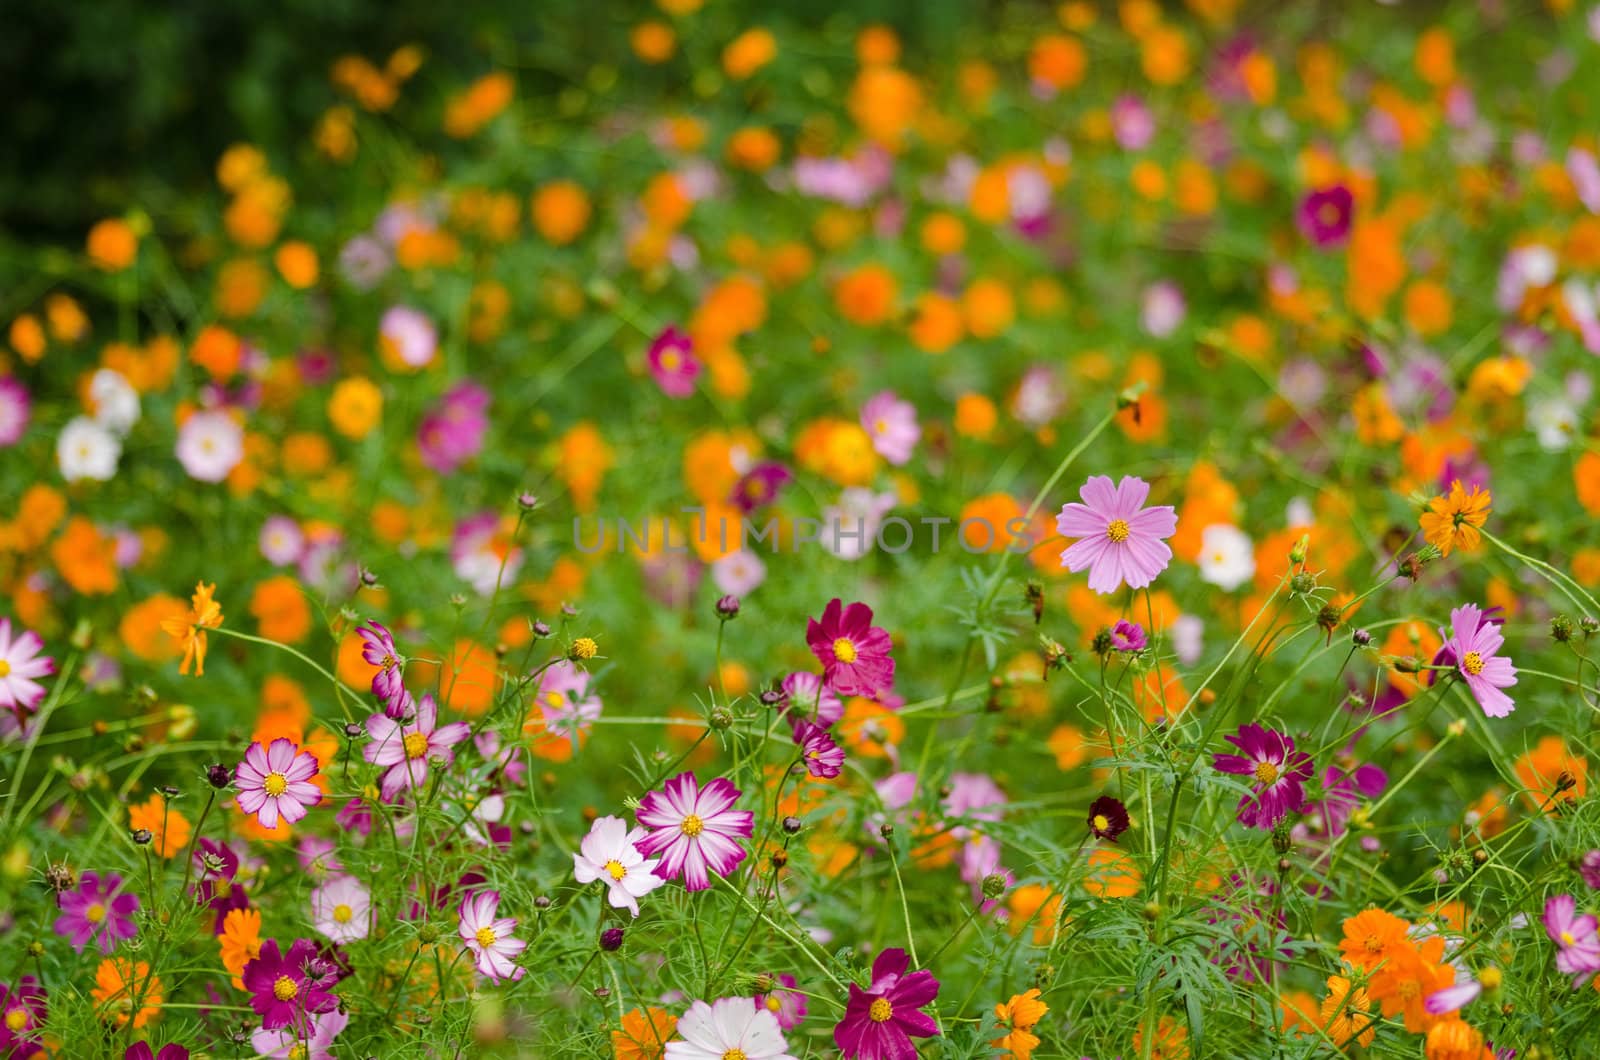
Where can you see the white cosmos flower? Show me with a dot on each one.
(86, 450)
(608, 854)
(116, 403)
(1227, 559)
(731, 1026)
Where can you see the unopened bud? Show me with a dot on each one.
(791, 825)
(994, 885)
(728, 607)
(611, 939)
(219, 776)
(721, 719)
(1561, 629)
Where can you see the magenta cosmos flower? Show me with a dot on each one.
(1576, 939)
(275, 781)
(1324, 216)
(285, 987)
(22, 1014)
(488, 936)
(1120, 540)
(388, 684)
(20, 663)
(694, 829)
(1278, 770)
(452, 432)
(854, 653)
(16, 408)
(892, 425)
(1471, 648)
(673, 364)
(408, 749)
(880, 1021)
(823, 757)
(97, 910)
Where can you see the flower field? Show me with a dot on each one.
(715, 533)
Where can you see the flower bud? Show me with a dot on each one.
(527, 501)
(1561, 629)
(728, 607)
(1361, 638)
(142, 836)
(541, 902)
(219, 776)
(428, 934)
(994, 885)
(583, 648)
(721, 719)
(541, 629)
(791, 825)
(611, 939)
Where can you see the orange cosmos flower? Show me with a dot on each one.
(190, 629)
(1453, 519)
(128, 991)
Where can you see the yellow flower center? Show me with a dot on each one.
(485, 937)
(616, 869)
(1266, 772)
(1567, 939)
(844, 650)
(342, 914)
(670, 360)
(1374, 944)
(297, 1051)
(555, 699)
(416, 744)
(5, 668)
(95, 913)
(17, 1019)
(285, 989)
(880, 426)
(880, 1011)
(1472, 663)
(773, 1004)
(585, 647)
(1118, 530)
(1100, 823)
(692, 826)
(734, 1054)
(275, 784)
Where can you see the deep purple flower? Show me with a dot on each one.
(854, 653)
(141, 1051)
(760, 486)
(1128, 636)
(377, 648)
(1121, 542)
(1472, 643)
(1279, 773)
(823, 757)
(216, 869)
(286, 987)
(1250, 932)
(673, 364)
(695, 829)
(880, 1021)
(1108, 818)
(98, 909)
(1324, 216)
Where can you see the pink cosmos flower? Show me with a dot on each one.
(1472, 645)
(787, 1005)
(409, 334)
(1324, 216)
(16, 409)
(1577, 943)
(287, 1044)
(610, 853)
(1457, 996)
(275, 781)
(823, 757)
(673, 364)
(377, 649)
(567, 708)
(880, 1021)
(20, 663)
(1279, 772)
(407, 749)
(488, 937)
(854, 653)
(892, 425)
(341, 909)
(452, 432)
(99, 910)
(210, 445)
(808, 698)
(282, 541)
(694, 829)
(1121, 541)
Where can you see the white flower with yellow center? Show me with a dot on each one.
(608, 854)
(342, 909)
